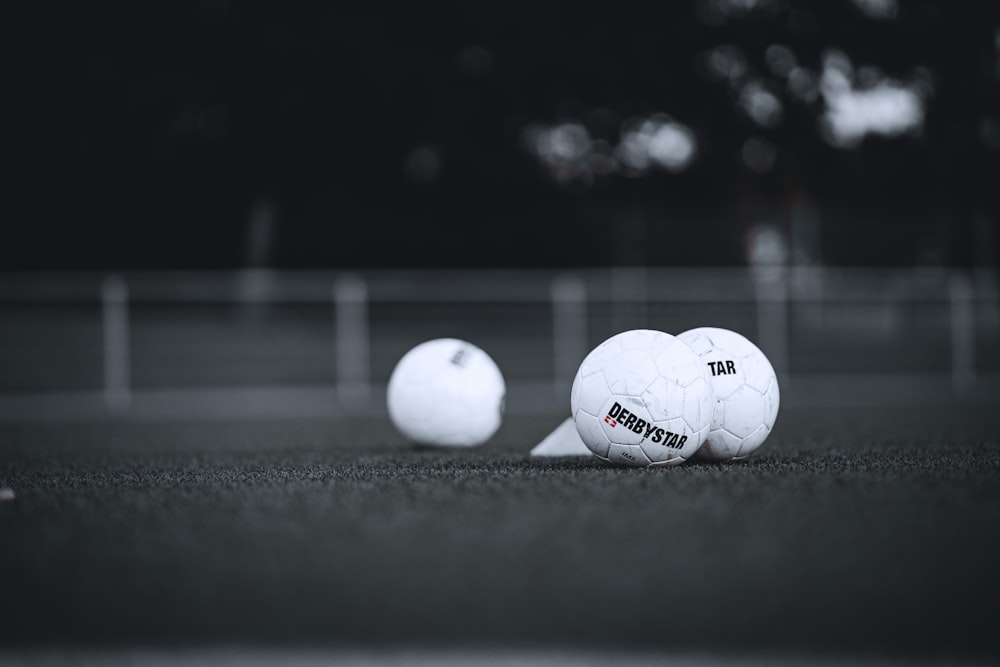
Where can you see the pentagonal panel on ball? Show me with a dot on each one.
(743, 412)
(630, 372)
(628, 455)
(589, 429)
(590, 393)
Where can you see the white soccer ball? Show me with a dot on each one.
(446, 392)
(746, 393)
(642, 398)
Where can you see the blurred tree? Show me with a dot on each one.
(393, 135)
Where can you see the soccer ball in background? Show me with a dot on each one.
(745, 388)
(642, 398)
(446, 392)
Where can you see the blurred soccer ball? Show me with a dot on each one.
(642, 398)
(446, 392)
(746, 392)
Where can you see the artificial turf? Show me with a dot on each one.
(859, 531)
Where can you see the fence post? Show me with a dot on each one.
(771, 291)
(114, 305)
(963, 332)
(351, 340)
(569, 330)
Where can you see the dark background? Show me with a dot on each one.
(393, 135)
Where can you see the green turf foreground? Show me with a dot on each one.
(851, 533)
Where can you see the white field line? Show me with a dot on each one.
(251, 657)
(523, 398)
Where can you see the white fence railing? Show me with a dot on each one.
(785, 302)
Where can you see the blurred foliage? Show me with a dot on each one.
(392, 135)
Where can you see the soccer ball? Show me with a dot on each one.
(446, 392)
(642, 398)
(746, 393)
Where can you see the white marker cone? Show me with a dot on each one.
(564, 441)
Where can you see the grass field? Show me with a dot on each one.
(854, 533)
(235, 511)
